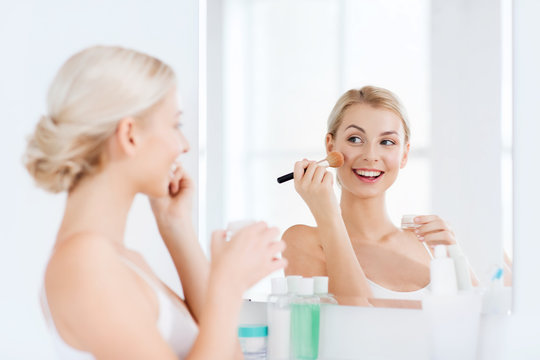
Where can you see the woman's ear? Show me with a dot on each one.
(405, 157)
(125, 136)
(329, 143)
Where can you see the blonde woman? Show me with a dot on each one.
(366, 257)
(113, 130)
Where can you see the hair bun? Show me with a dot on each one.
(45, 160)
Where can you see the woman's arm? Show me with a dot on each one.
(347, 278)
(99, 307)
(174, 220)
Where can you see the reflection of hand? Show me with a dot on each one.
(315, 185)
(434, 230)
(248, 257)
(169, 210)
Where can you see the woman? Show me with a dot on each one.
(113, 131)
(355, 243)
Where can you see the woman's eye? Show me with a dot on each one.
(354, 139)
(388, 142)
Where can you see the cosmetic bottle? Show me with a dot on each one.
(497, 298)
(253, 341)
(292, 284)
(452, 318)
(463, 275)
(321, 290)
(305, 315)
(279, 321)
(443, 273)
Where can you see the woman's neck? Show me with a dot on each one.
(98, 205)
(366, 220)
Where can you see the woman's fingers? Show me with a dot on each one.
(444, 237)
(424, 219)
(435, 225)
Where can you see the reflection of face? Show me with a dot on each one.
(163, 142)
(372, 143)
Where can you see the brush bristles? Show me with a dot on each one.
(335, 159)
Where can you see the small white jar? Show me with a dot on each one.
(253, 340)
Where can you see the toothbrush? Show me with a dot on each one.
(334, 159)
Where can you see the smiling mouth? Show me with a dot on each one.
(370, 175)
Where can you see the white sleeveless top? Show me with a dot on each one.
(380, 292)
(174, 323)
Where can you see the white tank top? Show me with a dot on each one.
(174, 323)
(380, 292)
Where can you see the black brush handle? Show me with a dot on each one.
(284, 178)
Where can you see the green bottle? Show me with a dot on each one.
(305, 315)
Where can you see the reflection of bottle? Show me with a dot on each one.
(321, 290)
(305, 313)
(279, 321)
(443, 273)
(463, 276)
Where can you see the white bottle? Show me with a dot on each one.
(293, 283)
(321, 290)
(443, 273)
(463, 275)
(279, 321)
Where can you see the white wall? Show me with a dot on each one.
(37, 37)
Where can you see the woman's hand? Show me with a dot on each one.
(173, 210)
(434, 230)
(248, 257)
(315, 185)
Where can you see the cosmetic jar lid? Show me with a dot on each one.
(254, 330)
(279, 286)
(320, 284)
(305, 286)
(407, 222)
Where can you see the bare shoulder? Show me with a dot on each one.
(89, 288)
(303, 253)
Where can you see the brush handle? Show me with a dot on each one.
(284, 178)
(290, 176)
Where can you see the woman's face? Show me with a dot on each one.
(163, 142)
(372, 143)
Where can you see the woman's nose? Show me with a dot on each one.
(184, 144)
(370, 153)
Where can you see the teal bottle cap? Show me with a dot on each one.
(256, 330)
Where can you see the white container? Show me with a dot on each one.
(321, 290)
(463, 275)
(453, 323)
(253, 341)
(453, 319)
(442, 273)
(279, 321)
(293, 282)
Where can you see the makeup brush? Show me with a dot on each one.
(334, 159)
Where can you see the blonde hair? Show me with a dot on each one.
(371, 95)
(91, 92)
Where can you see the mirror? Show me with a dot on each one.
(276, 69)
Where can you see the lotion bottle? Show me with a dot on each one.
(279, 321)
